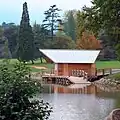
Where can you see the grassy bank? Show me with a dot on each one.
(115, 77)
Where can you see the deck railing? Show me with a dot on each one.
(79, 73)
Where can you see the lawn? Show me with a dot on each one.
(99, 64)
(36, 63)
(107, 64)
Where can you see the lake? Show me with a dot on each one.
(79, 102)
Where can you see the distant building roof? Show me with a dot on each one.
(71, 56)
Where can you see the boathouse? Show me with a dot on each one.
(66, 61)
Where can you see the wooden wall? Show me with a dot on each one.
(66, 69)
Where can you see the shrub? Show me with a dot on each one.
(16, 91)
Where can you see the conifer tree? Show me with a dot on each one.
(25, 50)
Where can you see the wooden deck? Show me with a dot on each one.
(65, 80)
(77, 78)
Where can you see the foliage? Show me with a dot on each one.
(92, 20)
(70, 24)
(80, 24)
(4, 48)
(51, 18)
(7, 53)
(106, 16)
(109, 13)
(87, 21)
(39, 40)
(60, 32)
(63, 42)
(16, 91)
(88, 41)
(39, 36)
(25, 50)
(11, 33)
(118, 51)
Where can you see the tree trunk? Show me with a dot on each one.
(52, 26)
(41, 60)
(32, 61)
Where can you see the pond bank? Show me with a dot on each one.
(110, 83)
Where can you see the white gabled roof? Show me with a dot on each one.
(71, 56)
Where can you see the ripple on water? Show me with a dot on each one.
(78, 106)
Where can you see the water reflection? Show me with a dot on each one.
(73, 89)
(78, 102)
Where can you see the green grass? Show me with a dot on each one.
(99, 64)
(36, 63)
(107, 64)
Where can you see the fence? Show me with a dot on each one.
(104, 71)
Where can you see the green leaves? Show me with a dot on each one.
(16, 89)
(70, 24)
(104, 17)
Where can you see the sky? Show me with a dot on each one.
(11, 10)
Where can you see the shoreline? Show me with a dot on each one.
(108, 84)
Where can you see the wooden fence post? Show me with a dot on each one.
(95, 72)
(103, 71)
(110, 71)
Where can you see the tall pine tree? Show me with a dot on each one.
(25, 50)
(51, 19)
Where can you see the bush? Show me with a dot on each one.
(16, 91)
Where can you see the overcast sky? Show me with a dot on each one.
(11, 10)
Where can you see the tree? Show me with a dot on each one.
(92, 20)
(87, 21)
(109, 13)
(11, 33)
(106, 15)
(63, 42)
(17, 90)
(80, 24)
(40, 38)
(51, 19)
(88, 41)
(108, 51)
(70, 25)
(4, 47)
(60, 32)
(7, 53)
(25, 50)
(40, 35)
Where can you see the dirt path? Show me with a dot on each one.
(40, 67)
